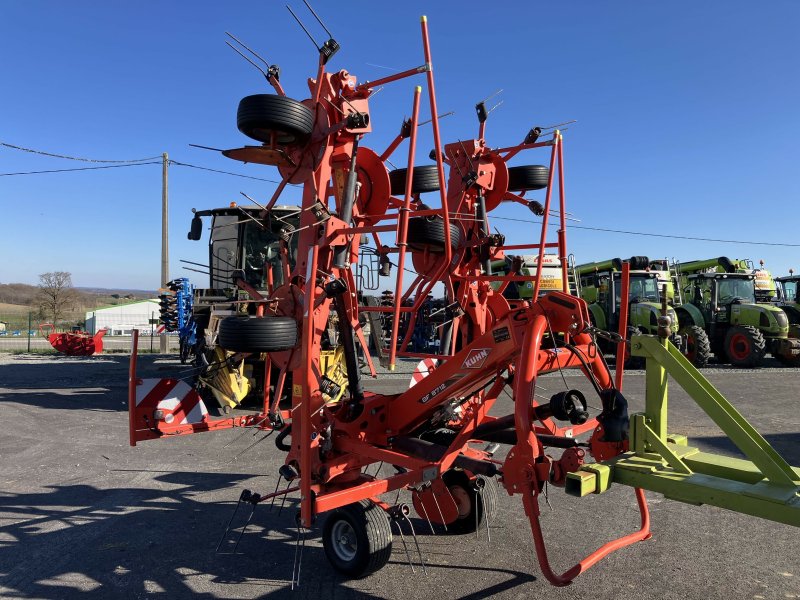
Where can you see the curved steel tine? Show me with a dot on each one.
(298, 554)
(272, 503)
(439, 508)
(246, 525)
(425, 513)
(283, 500)
(485, 515)
(405, 546)
(416, 542)
(228, 526)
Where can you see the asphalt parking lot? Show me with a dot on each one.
(83, 515)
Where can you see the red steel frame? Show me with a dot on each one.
(492, 339)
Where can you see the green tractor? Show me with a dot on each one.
(720, 297)
(788, 294)
(600, 287)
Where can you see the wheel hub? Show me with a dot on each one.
(345, 544)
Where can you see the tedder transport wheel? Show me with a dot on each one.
(698, 347)
(468, 500)
(530, 177)
(633, 362)
(745, 346)
(261, 115)
(426, 179)
(358, 538)
(257, 334)
(426, 233)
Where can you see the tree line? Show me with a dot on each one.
(54, 299)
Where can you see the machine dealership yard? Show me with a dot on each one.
(82, 514)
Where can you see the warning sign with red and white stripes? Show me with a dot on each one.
(168, 402)
(425, 367)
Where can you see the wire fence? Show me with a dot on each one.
(25, 332)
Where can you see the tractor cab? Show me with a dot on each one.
(729, 299)
(787, 288)
(644, 300)
(788, 298)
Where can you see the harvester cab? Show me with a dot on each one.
(721, 299)
(527, 265)
(251, 251)
(765, 286)
(434, 434)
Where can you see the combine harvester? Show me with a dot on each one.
(435, 433)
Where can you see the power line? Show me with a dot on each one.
(81, 169)
(92, 160)
(181, 164)
(152, 161)
(660, 235)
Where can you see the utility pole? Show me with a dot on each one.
(164, 239)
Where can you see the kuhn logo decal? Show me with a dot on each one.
(476, 358)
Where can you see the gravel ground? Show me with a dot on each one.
(83, 515)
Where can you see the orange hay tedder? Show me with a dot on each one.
(438, 435)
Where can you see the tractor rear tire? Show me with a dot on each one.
(698, 346)
(745, 346)
(469, 500)
(426, 233)
(426, 179)
(261, 115)
(528, 178)
(257, 334)
(358, 538)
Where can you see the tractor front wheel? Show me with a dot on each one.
(788, 360)
(698, 346)
(745, 346)
(358, 538)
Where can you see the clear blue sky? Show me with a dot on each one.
(688, 117)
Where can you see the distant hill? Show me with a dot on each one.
(139, 294)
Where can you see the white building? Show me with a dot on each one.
(122, 319)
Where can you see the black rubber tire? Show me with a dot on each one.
(745, 346)
(633, 362)
(260, 115)
(460, 483)
(788, 361)
(257, 334)
(698, 346)
(426, 233)
(527, 178)
(371, 538)
(426, 179)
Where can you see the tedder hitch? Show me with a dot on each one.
(764, 485)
